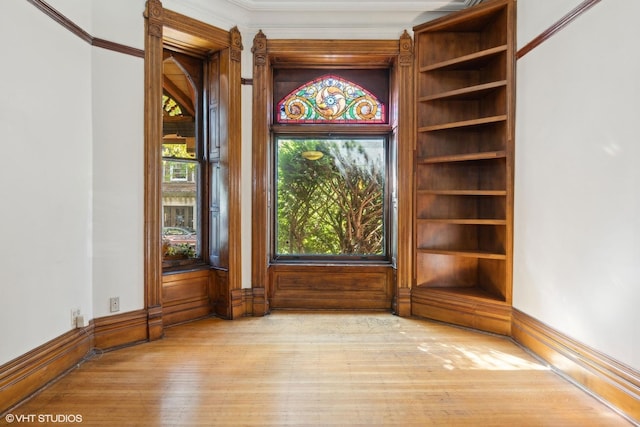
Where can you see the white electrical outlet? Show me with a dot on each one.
(114, 304)
(75, 312)
(80, 322)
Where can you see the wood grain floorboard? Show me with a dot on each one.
(320, 369)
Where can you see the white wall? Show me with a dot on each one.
(118, 191)
(71, 122)
(46, 176)
(577, 207)
(118, 139)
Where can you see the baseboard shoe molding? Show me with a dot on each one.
(27, 374)
(120, 330)
(611, 381)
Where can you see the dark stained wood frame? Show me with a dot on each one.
(395, 55)
(193, 36)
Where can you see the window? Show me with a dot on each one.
(330, 99)
(182, 160)
(331, 173)
(330, 197)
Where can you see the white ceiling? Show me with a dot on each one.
(326, 19)
(352, 5)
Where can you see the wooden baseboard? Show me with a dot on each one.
(259, 302)
(120, 330)
(238, 298)
(478, 313)
(25, 375)
(611, 381)
(402, 302)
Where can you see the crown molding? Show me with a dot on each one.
(351, 6)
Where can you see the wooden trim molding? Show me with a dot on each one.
(610, 380)
(404, 85)
(120, 330)
(78, 31)
(153, 166)
(25, 375)
(165, 27)
(559, 25)
(259, 159)
(117, 47)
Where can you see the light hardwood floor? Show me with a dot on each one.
(319, 368)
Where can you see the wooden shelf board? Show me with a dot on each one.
(464, 123)
(464, 192)
(469, 254)
(465, 221)
(471, 92)
(486, 155)
(461, 62)
(474, 292)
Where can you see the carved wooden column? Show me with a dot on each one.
(152, 158)
(406, 146)
(234, 147)
(260, 140)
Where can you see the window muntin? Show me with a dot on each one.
(331, 197)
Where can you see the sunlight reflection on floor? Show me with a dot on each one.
(469, 357)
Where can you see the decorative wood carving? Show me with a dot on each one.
(405, 58)
(153, 14)
(259, 49)
(236, 44)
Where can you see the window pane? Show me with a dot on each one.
(180, 208)
(330, 196)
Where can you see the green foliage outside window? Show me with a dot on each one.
(333, 205)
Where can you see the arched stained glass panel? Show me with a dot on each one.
(330, 99)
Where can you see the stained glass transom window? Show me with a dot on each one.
(330, 99)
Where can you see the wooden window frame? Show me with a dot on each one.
(165, 26)
(395, 55)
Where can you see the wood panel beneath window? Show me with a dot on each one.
(344, 287)
(185, 296)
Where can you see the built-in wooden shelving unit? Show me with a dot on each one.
(463, 183)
